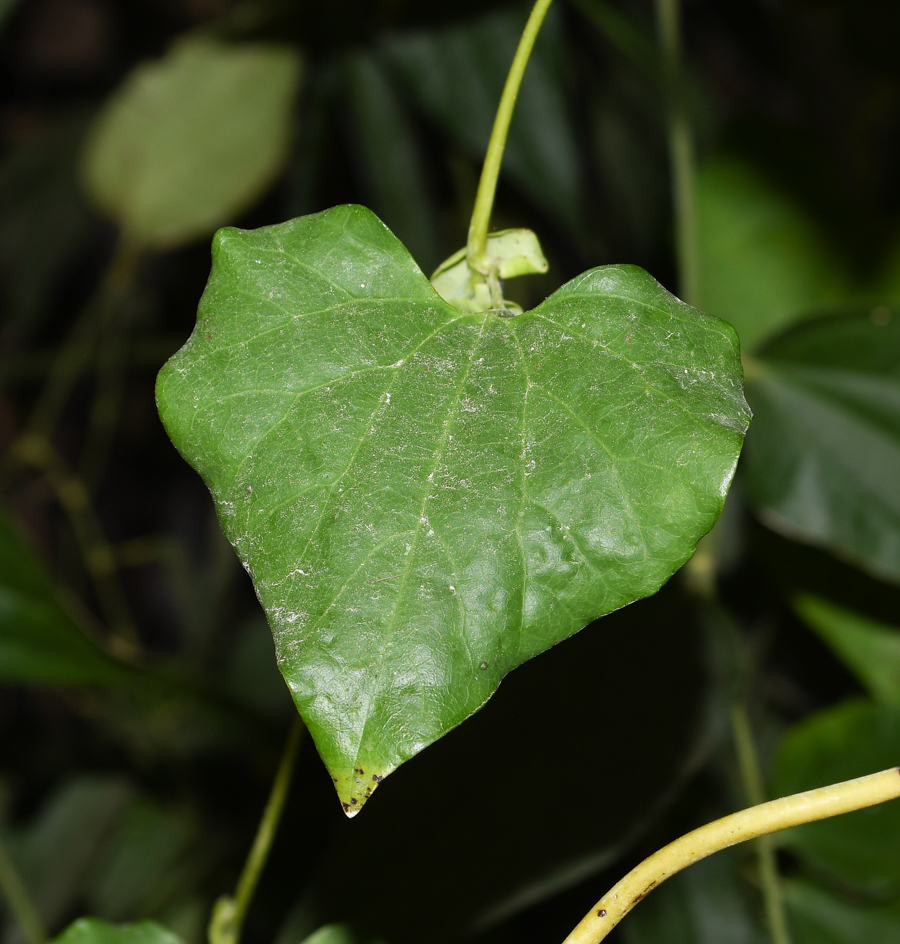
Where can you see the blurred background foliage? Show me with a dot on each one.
(141, 713)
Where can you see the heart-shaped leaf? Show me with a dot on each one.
(426, 498)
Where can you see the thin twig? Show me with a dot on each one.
(681, 148)
(770, 882)
(97, 554)
(229, 912)
(738, 827)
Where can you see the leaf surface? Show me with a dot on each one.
(427, 498)
(189, 141)
(823, 458)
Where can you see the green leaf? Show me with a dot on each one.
(871, 650)
(95, 931)
(425, 498)
(512, 252)
(821, 917)
(40, 643)
(189, 141)
(456, 76)
(851, 740)
(762, 262)
(823, 458)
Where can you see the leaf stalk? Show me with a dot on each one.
(229, 912)
(476, 247)
(682, 159)
(738, 827)
(769, 880)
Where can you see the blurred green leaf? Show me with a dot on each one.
(393, 163)
(58, 850)
(332, 934)
(189, 141)
(851, 740)
(823, 455)
(456, 75)
(821, 917)
(40, 643)
(95, 931)
(762, 263)
(871, 650)
(440, 495)
(705, 904)
(145, 865)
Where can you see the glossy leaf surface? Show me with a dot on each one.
(192, 139)
(823, 458)
(40, 643)
(854, 739)
(871, 650)
(762, 262)
(96, 931)
(426, 498)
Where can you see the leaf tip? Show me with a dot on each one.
(355, 788)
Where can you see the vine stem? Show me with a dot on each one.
(229, 912)
(769, 881)
(476, 247)
(738, 827)
(682, 160)
(20, 902)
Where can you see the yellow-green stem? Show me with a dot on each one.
(20, 902)
(769, 880)
(728, 831)
(229, 912)
(681, 148)
(476, 248)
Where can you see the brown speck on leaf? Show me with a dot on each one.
(377, 778)
(601, 913)
(629, 339)
(484, 665)
(353, 800)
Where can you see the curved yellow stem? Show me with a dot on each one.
(728, 831)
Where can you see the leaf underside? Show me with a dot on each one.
(427, 498)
